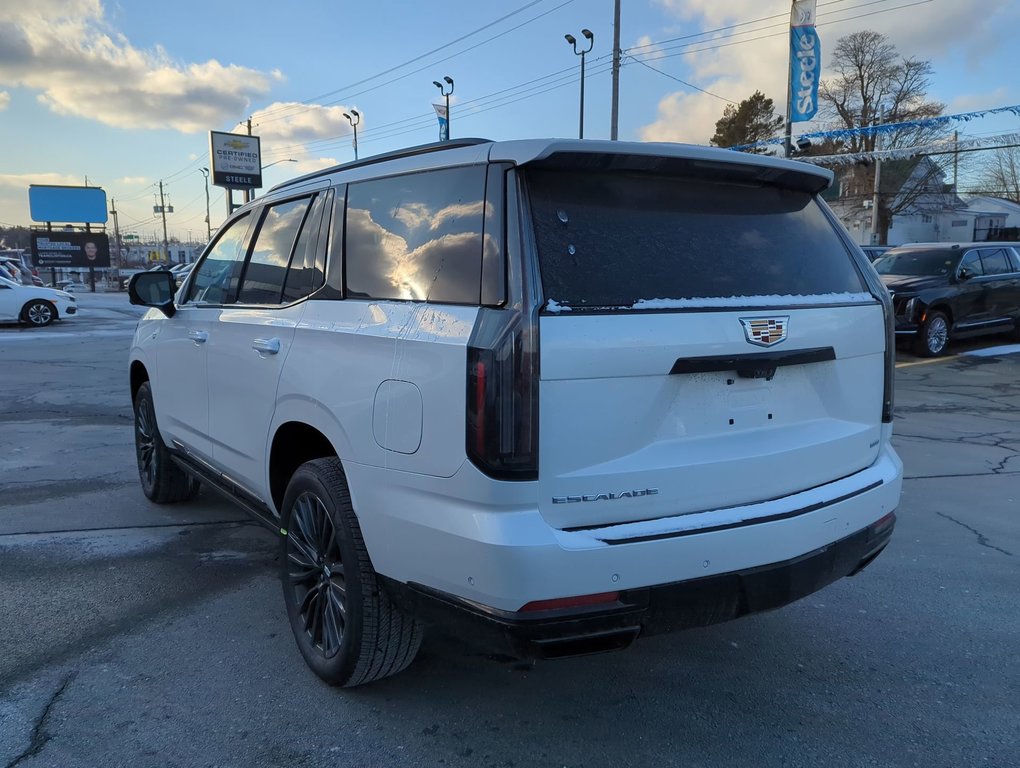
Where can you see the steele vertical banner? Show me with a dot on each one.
(444, 122)
(805, 61)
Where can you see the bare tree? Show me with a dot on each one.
(871, 76)
(873, 83)
(1000, 173)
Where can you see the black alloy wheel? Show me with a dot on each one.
(346, 627)
(315, 570)
(162, 481)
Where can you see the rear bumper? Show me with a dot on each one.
(648, 610)
(490, 546)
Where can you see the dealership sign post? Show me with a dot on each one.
(236, 162)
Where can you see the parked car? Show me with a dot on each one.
(946, 291)
(34, 305)
(556, 393)
(181, 272)
(874, 252)
(18, 272)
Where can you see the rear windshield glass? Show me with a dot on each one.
(917, 262)
(609, 240)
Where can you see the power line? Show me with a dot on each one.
(297, 110)
(673, 77)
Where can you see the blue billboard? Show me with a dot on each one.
(74, 205)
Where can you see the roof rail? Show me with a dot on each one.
(420, 149)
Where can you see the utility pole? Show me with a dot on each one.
(876, 197)
(162, 210)
(208, 226)
(116, 238)
(956, 157)
(614, 121)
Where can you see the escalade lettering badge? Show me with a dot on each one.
(605, 496)
(765, 331)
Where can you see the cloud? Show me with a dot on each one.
(132, 180)
(23, 180)
(302, 132)
(5, 99)
(66, 50)
(736, 69)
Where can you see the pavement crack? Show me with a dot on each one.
(982, 539)
(39, 736)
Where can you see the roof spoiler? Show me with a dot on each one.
(789, 175)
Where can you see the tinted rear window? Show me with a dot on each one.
(932, 262)
(613, 239)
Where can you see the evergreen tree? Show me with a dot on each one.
(752, 120)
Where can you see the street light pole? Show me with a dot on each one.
(591, 44)
(447, 94)
(354, 124)
(208, 225)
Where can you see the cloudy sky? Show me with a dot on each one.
(124, 93)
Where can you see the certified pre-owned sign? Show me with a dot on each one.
(236, 160)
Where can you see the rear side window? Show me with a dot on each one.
(1014, 259)
(995, 262)
(267, 267)
(614, 239)
(216, 276)
(306, 266)
(416, 237)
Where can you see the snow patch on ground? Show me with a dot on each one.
(1005, 349)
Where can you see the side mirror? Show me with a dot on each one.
(153, 289)
(965, 274)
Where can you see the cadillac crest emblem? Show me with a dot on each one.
(765, 331)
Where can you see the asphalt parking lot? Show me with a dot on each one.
(140, 635)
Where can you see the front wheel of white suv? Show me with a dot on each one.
(346, 627)
(162, 481)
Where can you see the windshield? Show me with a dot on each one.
(622, 240)
(934, 263)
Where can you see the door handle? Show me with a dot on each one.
(199, 337)
(266, 346)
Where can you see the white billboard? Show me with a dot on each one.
(236, 160)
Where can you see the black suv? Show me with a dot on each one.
(944, 291)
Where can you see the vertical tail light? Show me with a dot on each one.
(890, 359)
(502, 394)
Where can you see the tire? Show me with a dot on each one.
(346, 627)
(163, 482)
(933, 336)
(39, 313)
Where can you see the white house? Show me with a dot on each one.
(1001, 215)
(924, 208)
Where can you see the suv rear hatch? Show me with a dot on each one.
(707, 341)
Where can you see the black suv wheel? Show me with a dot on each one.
(933, 336)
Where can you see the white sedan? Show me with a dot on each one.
(34, 305)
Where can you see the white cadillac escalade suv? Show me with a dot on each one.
(558, 394)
